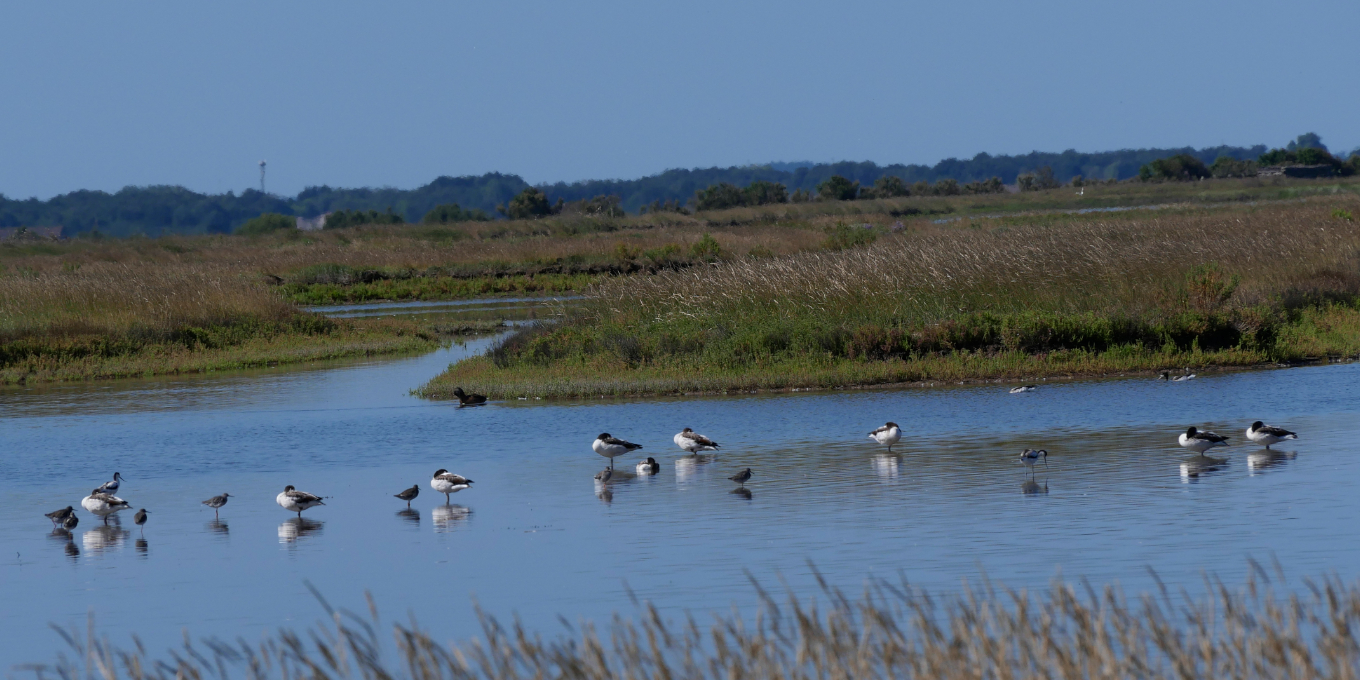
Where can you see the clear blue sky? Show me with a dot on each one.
(104, 95)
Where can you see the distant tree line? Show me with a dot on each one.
(157, 210)
(1307, 149)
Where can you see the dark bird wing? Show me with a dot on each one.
(456, 479)
(885, 428)
(1276, 431)
(1210, 437)
(303, 496)
(699, 438)
(615, 441)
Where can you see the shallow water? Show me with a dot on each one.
(536, 537)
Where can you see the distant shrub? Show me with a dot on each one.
(1225, 166)
(659, 206)
(1342, 214)
(762, 192)
(890, 186)
(529, 204)
(801, 196)
(1180, 167)
(341, 219)
(599, 206)
(990, 186)
(948, 187)
(1039, 180)
(837, 188)
(452, 212)
(267, 223)
(706, 248)
(719, 197)
(844, 236)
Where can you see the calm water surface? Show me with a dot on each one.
(536, 537)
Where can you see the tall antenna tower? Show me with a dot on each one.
(261, 176)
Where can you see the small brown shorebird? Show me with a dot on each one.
(140, 519)
(742, 477)
(409, 494)
(59, 516)
(217, 502)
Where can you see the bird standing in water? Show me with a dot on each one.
(409, 494)
(1199, 442)
(889, 434)
(293, 500)
(446, 482)
(693, 442)
(742, 477)
(612, 447)
(140, 519)
(1031, 456)
(217, 502)
(111, 487)
(59, 516)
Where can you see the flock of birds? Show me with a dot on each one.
(103, 503)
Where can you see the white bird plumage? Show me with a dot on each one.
(102, 505)
(292, 500)
(111, 487)
(888, 435)
(446, 482)
(1024, 388)
(1266, 435)
(1199, 442)
(693, 442)
(612, 447)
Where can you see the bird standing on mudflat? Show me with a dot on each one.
(465, 399)
(693, 442)
(217, 502)
(140, 519)
(446, 482)
(409, 494)
(1266, 435)
(889, 434)
(611, 447)
(742, 477)
(59, 516)
(1199, 442)
(293, 500)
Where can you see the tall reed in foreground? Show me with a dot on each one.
(891, 631)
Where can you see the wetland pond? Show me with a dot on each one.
(535, 537)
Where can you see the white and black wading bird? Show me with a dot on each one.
(1266, 435)
(1199, 442)
(1024, 388)
(293, 500)
(446, 482)
(111, 487)
(889, 434)
(612, 447)
(102, 505)
(693, 442)
(648, 467)
(1031, 456)
(216, 502)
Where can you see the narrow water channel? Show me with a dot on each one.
(535, 536)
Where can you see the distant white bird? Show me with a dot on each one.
(446, 482)
(1199, 442)
(1024, 388)
(693, 442)
(612, 447)
(111, 487)
(1031, 456)
(889, 434)
(1266, 435)
(293, 500)
(648, 467)
(102, 505)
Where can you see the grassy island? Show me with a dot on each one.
(984, 298)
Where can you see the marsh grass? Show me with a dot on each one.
(978, 299)
(892, 630)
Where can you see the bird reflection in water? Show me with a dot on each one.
(1260, 461)
(1033, 488)
(448, 517)
(410, 516)
(141, 546)
(742, 492)
(1199, 466)
(295, 528)
(687, 467)
(604, 493)
(885, 465)
(218, 526)
(104, 538)
(67, 544)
